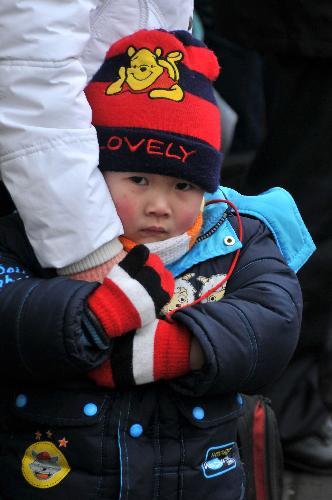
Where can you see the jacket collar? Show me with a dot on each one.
(275, 207)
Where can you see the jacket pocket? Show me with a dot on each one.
(54, 448)
(210, 466)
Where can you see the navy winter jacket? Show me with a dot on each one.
(62, 437)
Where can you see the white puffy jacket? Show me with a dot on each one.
(48, 148)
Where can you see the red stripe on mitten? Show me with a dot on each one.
(171, 350)
(160, 350)
(133, 293)
(114, 309)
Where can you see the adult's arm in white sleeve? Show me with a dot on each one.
(48, 148)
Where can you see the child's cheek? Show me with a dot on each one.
(187, 219)
(126, 210)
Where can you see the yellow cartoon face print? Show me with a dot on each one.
(43, 465)
(144, 69)
(150, 71)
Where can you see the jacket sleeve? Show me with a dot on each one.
(48, 148)
(249, 336)
(45, 325)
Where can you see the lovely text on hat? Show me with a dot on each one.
(151, 147)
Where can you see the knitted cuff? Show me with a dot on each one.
(98, 273)
(103, 254)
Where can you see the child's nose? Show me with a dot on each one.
(158, 207)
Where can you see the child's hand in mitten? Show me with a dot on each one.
(159, 350)
(133, 293)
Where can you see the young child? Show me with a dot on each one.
(124, 390)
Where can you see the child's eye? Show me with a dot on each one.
(184, 186)
(141, 181)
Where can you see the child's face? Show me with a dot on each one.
(153, 207)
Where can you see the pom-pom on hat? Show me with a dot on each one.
(154, 109)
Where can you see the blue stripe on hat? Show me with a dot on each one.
(196, 83)
(109, 70)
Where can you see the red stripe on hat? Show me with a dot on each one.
(196, 58)
(193, 117)
(202, 60)
(146, 39)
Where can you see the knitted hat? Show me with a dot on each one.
(154, 109)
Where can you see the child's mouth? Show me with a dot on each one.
(154, 230)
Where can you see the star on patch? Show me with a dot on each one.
(49, 434)
(63, 443)
(38, 435)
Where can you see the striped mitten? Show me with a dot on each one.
(133, 293)
(159, 350)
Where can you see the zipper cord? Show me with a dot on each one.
(231, 267)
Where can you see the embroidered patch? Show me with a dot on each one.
(151, 73)
(219, 460)
(43, 465)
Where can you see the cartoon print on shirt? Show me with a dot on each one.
(150, 73)
(185, 292)
(209, 283)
